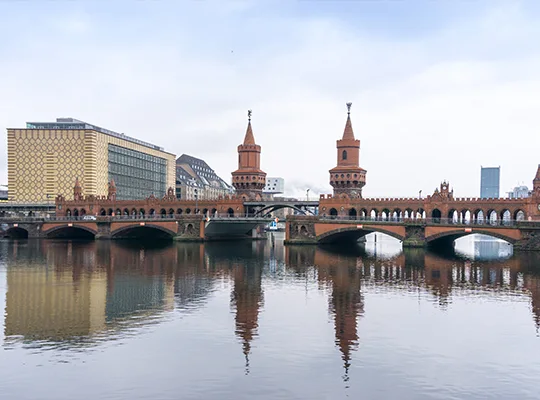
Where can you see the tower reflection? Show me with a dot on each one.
(71, 292)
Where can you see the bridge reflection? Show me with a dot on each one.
(74, 292)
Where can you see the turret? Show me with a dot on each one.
(249, 180)
(536, 182)
(111, 194)
(347, 177)
(77, 190)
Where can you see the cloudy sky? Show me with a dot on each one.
(438, 88)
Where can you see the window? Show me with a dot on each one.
(344, 155)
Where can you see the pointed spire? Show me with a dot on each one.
(537, 177)
(113, 184)
(348, 133)
(249, 139)
(77, 183)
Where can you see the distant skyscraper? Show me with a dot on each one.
(490, 182)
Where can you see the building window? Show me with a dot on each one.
(344, 155)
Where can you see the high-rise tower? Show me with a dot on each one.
(347, 177)
(249, 180)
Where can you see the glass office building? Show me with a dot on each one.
(490, 182)
(137, 175)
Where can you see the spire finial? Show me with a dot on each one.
(349, 104)
(249, 115)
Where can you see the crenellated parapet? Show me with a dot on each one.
(167, 205)
(440, 204)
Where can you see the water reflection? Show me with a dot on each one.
(65, 294)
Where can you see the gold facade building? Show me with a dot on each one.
(45, 158)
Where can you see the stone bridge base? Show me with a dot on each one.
(310, 230)
(183, 228)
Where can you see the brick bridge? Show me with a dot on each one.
(178, 227)
(524, 235)
(344, 215)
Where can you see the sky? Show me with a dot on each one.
(439, 88)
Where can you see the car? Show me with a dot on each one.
(89, 218)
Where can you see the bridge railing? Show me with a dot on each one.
(251, 216)
(103, 218)
(429, 221)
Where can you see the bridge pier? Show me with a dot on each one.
(415, 236)
(530, 239)
(103, 230)
(301, 230)
(190, 229)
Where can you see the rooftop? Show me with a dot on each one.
(72, 123)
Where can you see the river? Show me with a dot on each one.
(243, 320)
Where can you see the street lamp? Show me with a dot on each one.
(196, 201)
(307, 195)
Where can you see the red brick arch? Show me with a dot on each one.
(117, 231)
(326, 237)
(57, 228)
(459, 233)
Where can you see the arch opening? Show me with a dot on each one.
(447, 240)
(70, 232)
(352, 235)
(146, 232)
(16, 233)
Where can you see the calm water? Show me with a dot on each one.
(118, 320)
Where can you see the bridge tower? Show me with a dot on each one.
(536, 183)
(249, 180)
(77, 190)
(111, 194)
(347, 177)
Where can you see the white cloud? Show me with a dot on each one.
(426, 108)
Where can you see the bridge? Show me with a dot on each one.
(524, 235)
(267, 207)
(344, 215)
(175, 227)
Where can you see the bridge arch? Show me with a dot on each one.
(274, 207)
(16, 232)
(352, 234)
(146, 231)
(448, 237)
(70, 232)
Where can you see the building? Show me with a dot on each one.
(490, 182)
(187, 184)
(519, 192)
(45, 158)
(249, 180)
(195, 177)
(274, 186)
(347, 177)
(3, 193)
